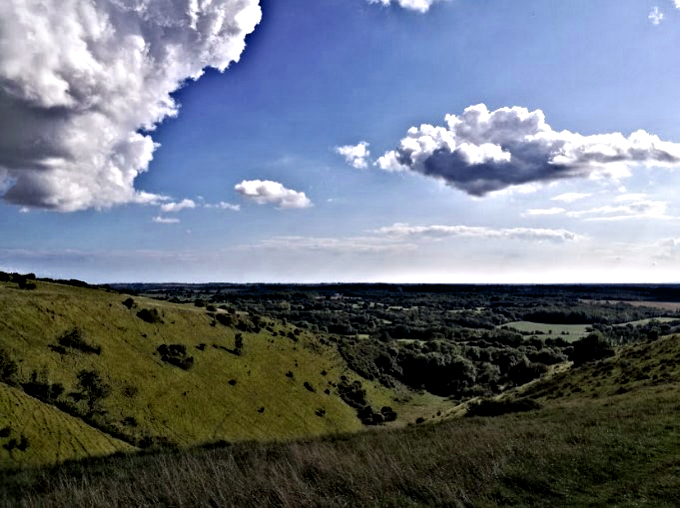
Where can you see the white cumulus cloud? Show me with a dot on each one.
(176, 207)
(482, 151)
(441, 231)
(84, 82)
(414, 5)
(267, 192)
(355, 155)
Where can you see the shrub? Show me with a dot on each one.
(309, 386)
(591, 348)
(23, 444)
(129, 303)
(93, 388)
(238, 343)
(5, 431)
(130, 421)
(224, 319)
(149, 315)
(74, 339)
(8, 368)
(352, 394)
(199, 303)
(176, 354)
(388, 413)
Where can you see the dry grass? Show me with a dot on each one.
(618, 452)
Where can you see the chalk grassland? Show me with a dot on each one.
(51, 435)
(610, 438)
(259, 394)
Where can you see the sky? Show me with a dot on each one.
(480, 141)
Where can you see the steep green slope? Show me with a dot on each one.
(48, 435)
(282, 384)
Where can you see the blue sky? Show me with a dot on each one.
(316, 75)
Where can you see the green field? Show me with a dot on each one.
(567, 332)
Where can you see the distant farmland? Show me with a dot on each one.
(567, 332)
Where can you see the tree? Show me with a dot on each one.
(8, 368)
(93, 388)
(591, 348)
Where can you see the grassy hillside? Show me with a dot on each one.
(49, 435)
(282, 384)
(607, 434)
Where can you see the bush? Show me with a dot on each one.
(129, 303)
(149, 315)
(591, 348)
(352, 394)
(8, 368)
(388, 413)
(93, 388)
(224, 319)
(176, 354)
(74, 339)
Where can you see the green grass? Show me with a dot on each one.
(619, 451)
(566, 332)
(642, 322)
(606, 434)
(53, 436)
(197, 405)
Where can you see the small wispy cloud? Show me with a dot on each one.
(413, 5)
(535, 212)
(223, 205)
(267, 192)
(632, 208)
(570, 197)
(656, 16)
(355, 155)
(441, 231)
(176, 207)
(165, 220)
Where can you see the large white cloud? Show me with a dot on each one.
(82, 82)
(266, 192)
(482, 151)
(414, 5)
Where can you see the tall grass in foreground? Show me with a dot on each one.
(619, 451)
